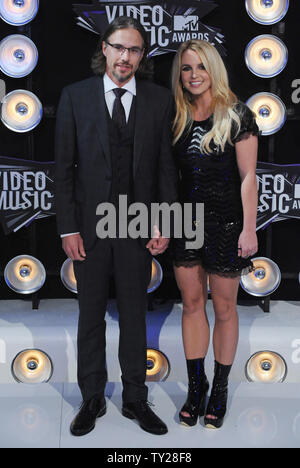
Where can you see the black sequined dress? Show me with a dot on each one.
(213, 179)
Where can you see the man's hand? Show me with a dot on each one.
(158, 244)
(73, 247)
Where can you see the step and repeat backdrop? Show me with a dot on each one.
(47, 45)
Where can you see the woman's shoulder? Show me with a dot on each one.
(248, 124)
(243, 111)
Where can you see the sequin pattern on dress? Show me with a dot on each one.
(213, 179)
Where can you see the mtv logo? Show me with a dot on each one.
(186, 23)
(297, 191)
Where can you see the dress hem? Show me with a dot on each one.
(210, 271)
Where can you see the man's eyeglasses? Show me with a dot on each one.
(133, 51)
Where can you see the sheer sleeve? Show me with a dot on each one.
(248, 123)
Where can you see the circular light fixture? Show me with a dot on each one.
(68, 277)
(69, 280)
(265, 278)
(258, 425)
(18, 56)
(25, 274)
(267, 11)
(32, 366)
(18, 12)
(158, 366)
(21, 111)
(156, 277)
(270, 112)
(266, 56)
(266, 367)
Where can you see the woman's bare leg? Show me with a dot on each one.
(226, 330)
(192, 282)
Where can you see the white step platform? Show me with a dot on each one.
(259, 415)
(40, 416)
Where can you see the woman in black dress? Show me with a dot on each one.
(215, 142)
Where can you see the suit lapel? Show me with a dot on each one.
(100, 114)
(142, 105)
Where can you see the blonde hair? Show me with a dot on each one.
(223, 99)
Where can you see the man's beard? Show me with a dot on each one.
(120, 77)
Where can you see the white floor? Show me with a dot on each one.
(40, 416)
(259, 415)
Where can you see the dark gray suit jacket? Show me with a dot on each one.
(83, 160)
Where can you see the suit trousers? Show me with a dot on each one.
(130, 264)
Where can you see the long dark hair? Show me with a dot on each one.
(98, 64)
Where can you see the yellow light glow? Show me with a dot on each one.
(32, 366)
(269, 110)
(266, 11)
(25, 274)
(266, 56)
(156, 276)
(266, 367)
(265, 278)
(14, 118)
(160, 367)
(68, 276)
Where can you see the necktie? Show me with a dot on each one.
(118, 113)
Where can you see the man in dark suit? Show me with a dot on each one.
(109, 145)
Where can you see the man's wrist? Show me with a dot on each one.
(69, 234)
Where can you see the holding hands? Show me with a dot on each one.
(158, 244)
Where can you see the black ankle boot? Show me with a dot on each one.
(198, 388)
(217, 404)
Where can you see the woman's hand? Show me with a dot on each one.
(247, 244)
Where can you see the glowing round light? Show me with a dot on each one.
(270, 112)
(21, 111)
(158, 367)
(32, 366)
(25, 274)
(68, 277)
(18, 12)
(264, 280)
(266, 56)
(267, 11)
(69, 280)
(267, 367)
(18, 56)
(156, 276)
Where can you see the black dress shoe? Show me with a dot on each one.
(85, 420)
(148, 421)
